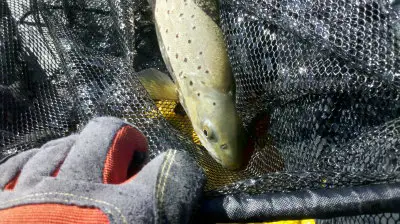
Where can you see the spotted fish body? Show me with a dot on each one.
(193, 48)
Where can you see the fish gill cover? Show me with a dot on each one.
(317, 87)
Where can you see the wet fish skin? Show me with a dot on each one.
(193, 48)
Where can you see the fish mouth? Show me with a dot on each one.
(232, 166)
(227, 164)
(216, 158)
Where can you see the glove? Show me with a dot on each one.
(98, 176)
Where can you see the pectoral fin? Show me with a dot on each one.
(158, 85)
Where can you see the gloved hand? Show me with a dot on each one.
(86, 178)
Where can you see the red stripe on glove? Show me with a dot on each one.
(53, 214)
(11, 184)
(125, 143)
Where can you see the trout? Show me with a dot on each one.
(193, 49)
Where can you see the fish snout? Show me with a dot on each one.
(230, 159)
(232, 164)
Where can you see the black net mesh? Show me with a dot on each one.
(317, 86)
(327, 75)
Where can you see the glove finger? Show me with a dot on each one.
(180, 184)
(10, 169)
(104, 151)
(174, 182)
(46, 162)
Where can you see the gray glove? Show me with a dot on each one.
(94, 177)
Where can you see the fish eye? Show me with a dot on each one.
(207, 132)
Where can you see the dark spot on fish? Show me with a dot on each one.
(205, 132)
(168, 11)
(192, 16)
(191, 83)
(181, 14)
(184, 77)
(214, 103)
(189, 41)
(199, 67)
(207, 71)
(180, 73)
(194, 27)
(224, 146)
(201, 53)
(166, 30)
(202, 82)
(176, 56)
(177, 35)
(185, 60)
(198, 94)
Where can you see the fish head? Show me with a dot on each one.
(220, 130)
